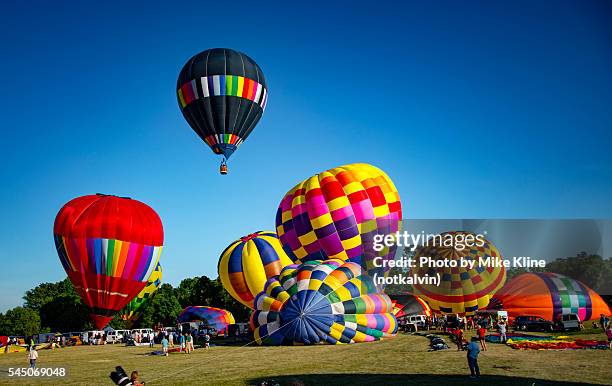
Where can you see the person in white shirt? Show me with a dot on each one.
(33, 356)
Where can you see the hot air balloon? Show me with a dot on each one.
(407, 305)
(548, 295)
(131, 312)
(246, 265)
(336, 214)
(222, 94)
(109, 246)
(321, 302)
(217, 318)
(461, 290)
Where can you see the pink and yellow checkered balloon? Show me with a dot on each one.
(337, 213)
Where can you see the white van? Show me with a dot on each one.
(419, 320)
(569, 322)
(117, 336)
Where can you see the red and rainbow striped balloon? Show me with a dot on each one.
(109, 246)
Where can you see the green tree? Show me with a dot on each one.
(184, 291)
(20, 321)
(202, 291)
(43, 293)
(59, 306)
(65, 313)
(592, 270)
(163, 308)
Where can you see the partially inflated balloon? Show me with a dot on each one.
(217, 318)
(548, 295)
(131, 312)
(222, 94)
(406, 305)
(461, 290)
(322, 302)
(109, 246)
(246, 265)
(337, 213)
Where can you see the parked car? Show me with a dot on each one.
(532, 323)
(569, 322)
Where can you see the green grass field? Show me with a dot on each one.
(401, 360)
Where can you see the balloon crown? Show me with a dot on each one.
(249, 237)
(112, 195)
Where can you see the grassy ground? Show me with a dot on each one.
(402, 360)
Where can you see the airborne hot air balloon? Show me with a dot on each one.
(216, 318)
(322, 302)
(246, 265)
(548, 295)
(336, 214)
(131, 312)
(109, 246)
(461, 290)
(222, 94)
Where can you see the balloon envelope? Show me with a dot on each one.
(407, 305)
(462, 290)
(246, 265)
(213, 317)
(109, 247)
(321, 302)
(222, 94)
(131, 312)
(548, 295)
(337, 213)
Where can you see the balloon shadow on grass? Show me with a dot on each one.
(401, 379)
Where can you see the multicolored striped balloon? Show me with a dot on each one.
(548, 295)
(109, 246)
(217, 318)
(246, 265)
(131, 312)
(322, 302)
(461, 290)
(222, 94)
(337, 213)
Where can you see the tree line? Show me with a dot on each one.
(56, 307)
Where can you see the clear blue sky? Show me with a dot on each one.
(475, 110)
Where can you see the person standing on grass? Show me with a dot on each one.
(481, 337)
(182, 342)
(151, 339)
(206, 341)
(32, 357)
(171, 338)
(459, 338)
(609, 334)
(164, 344)
(189, 342)
(472, 358)
(502, 331)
